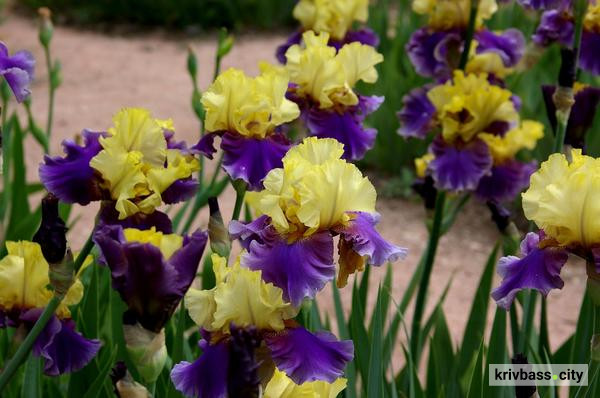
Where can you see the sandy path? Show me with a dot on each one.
(103, 73)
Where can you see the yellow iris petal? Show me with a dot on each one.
(564, 199)
(591, 21)
(449, 14)
(358, 62)
(332, 16)
(167, 243)
(523, 137)
(281, 386)
(422, 163)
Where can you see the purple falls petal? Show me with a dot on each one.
(186, 260)
(259, 230)
(416, 115)
(505, 181)
(539, 269)
(62, 348)
(179, 191)
(430, 52)
(455, 169)
(554, 27)
(306, 357)
(109, 216)
(207, 376)
(509, 45)
(364, 36)
(301, 268)
(17, 70)
(346, 126)
(590, 57)
(295, 38)
(542, 4)
(251, 159)
(206, 145)
(70, 177)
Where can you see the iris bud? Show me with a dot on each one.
(146, 349)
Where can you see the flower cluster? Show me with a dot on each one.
(480, 135)
(250, 339)
(334, 17)
(17, 70)
(435, 49)
(562, 202)
(134, 167)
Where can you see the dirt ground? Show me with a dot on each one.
(103, 73)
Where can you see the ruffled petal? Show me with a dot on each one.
(416, 115)
(505, 181)
(180, 190)
(63, 349)
(110, 216)
(429, 51)
(455, 169)
(301, 268)
(364, 36)
(207, 376)
(346, 127)
(257, 230)
(554, 27)
(18, 71)
(294, 38)
(509, 45)
(539, 269)
(306, 357)
(250, 159)
(206, 145)
(71, 178)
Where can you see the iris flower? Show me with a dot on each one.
(248, 114)
(334, 17)
(136, 165)
(17, 70)
(315, 196)
(322, 83)
(24, 294)
(435, 49)
(481, 133)
(248, 333)
(562, 202)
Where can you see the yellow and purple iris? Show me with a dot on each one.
(481, 133)
(315, 196)
(24, 294)
(335, 17)
(17, 70)
(248, 113)
(562, 201)
(135, 165)
(557, 25)
(247, 327)
(435, 49)
(322, 84)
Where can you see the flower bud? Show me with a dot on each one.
(192, 63)
(146, 349)
(51, 233)
(219, 237)
(225, 43)
(46, 28)
(124, 385)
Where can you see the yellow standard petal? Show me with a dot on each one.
(332, 16)
(281, 386)
(450, 14)
(166, 243)
(358, 61)
(564, 199)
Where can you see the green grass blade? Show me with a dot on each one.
(496, 353)
(476, 384)
(375, 379)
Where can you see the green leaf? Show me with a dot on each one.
(376, 377)
(476, 384)
(105, 366)
(19, 199)
(497, 353)
(32, 384)
(344, 334)
(441, 353)
(363, 289)
(475, 328)
(359, 334)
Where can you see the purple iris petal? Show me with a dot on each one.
(429, 52)
(590, 58)
(554, 27)
(306, 357)
(366, 241)
(539, 269)
(109, 216)
(509, 45)
(459, 169)
(416, 116)
(505, 181)
(180, 191)
(71, 178)
(150, 285)
(301, 268)
(582, 113)
(542, 4)
(251, 159)
(63, 349)
(206, 145)
(346, 126)
(295, 38)
(256, 230)
(17, 70)
(364, 36)
(207, 376)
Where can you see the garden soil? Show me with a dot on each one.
(105, 72)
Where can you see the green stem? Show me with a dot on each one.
(434, 238)
(559, 138)
(544, 343)
(23, 352)
(4, 112)
(464, 57)
(50, 92)
(240, 191)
